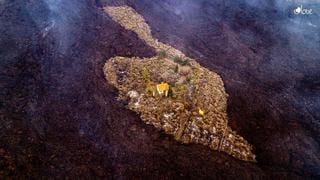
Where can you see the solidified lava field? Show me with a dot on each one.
(59, 118)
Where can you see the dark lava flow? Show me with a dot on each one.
(59, 117)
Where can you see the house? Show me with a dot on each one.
(163, 88)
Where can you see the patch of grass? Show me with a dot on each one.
(146, 75)
(179, 91)
(150, 90)
(193, 79)
(162, 54)
(181, 61)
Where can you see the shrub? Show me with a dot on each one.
(146, 75)
(181, 61)
(162, 54)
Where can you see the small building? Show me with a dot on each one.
(163, 88)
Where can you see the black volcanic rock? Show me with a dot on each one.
(59, 117)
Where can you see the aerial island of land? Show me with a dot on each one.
(173, 92)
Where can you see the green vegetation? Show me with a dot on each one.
(179, 91)
(193, 79)
(181, 61)
(162, 54)
(150, 90)
(146, 75)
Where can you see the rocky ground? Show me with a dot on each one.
(59, 117)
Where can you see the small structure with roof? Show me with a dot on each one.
(163, 88)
